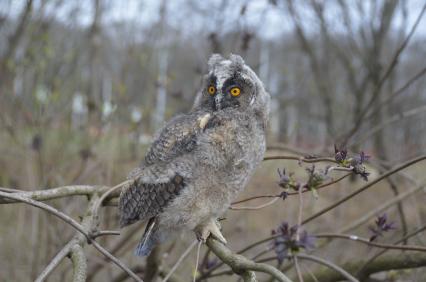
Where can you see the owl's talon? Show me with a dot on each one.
(212, 227)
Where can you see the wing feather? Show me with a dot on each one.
(142, 200)
(177, 137)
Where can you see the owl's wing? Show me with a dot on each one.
(154, 185)
(148, 194)
(177, 137)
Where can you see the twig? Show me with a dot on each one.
(205, 259)
(271, 202)
(47, 208)
(400, 90)
(108, 192)
(254, 198)
(356, 223)
(310, 273)
(286, 147)
(406, 237)
(330, 183)
(328, 264)
(338, 168)
(369, 243)
(297, 267)
(105, 233)
(197, 261)
(390, 262)
(55, 261)
(10, 190)
(116, 261)
(289, 194)
(74, 224)
(299, 223)
(394, 118)
(240, 264)
(299, 215)
(403, 45)
(301, 159)
(365, 187)
(388, 71)
(125, 239)
(179, 261)
(261, 253)
(54, 193)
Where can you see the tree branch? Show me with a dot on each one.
(240, 264)
(55, 261)
(54, 193)
(390, 262)
(74, 224)
(365, 187)
(366, 216)
(300, 159)
(373, 244)
(328, 264)
(79, 262)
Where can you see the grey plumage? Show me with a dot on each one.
(200, 160)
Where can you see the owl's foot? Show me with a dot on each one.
(211, 227)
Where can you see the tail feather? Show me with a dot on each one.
(148, 242)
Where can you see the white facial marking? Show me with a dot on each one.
(223, 74)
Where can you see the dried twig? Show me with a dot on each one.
(280, 196)
(328, 264)
(369, 243)
(403, 239)
(365, 187)
(242, 265)
(271, 202)
(179, 261)
(54, 193)
(55, 261)
(366, 216)
(74, 224)
(389, 262)
(297, 267)
(301, 159)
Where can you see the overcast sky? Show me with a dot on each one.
(266, 20)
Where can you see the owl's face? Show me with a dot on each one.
(231, 83)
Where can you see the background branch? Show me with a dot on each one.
(241, 265)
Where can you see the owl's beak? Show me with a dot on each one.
(218, 101)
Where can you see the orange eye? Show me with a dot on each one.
(235, 91)
(211, 90)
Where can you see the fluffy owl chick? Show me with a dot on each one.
(200, 160)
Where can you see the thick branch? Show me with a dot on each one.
(55, 193)
(80, 228)
(79, 262)
(390, 262)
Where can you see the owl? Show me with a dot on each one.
(200, 160)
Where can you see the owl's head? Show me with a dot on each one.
(231, 83)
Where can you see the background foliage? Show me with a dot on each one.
(84, 85)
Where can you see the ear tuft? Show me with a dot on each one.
(214, 60)
(236, 59)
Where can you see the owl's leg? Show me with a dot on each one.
(212, 227)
